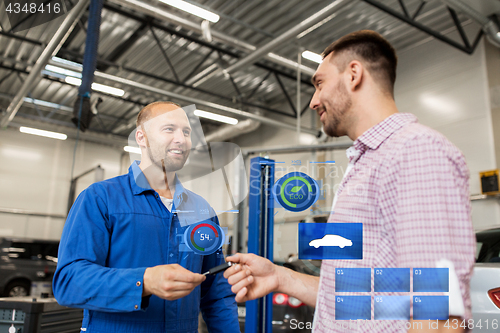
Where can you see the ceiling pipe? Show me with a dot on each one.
(188, 99)
(52, 48)
(158, 13)
(289, 34)
(491, 29)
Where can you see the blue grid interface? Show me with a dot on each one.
(353, 307)
(352, 279)
(392, 280)
(392, 307)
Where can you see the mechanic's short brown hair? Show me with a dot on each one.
(145, 113)
(370, 48)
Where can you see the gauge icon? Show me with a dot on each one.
(296, 191)
(204, 237)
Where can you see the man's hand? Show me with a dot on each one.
(253, 276)
(170, 282)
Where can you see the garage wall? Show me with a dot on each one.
(35, 175)
(448, 91)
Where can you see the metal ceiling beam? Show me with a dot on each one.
(24, 39)
(160, 78)
(52, 48)
(193, 100)
(289, 34)
(58, 108)
(203, 102)
(180, 84)
(279, 60)
(103, 62)
(127, 44)
(218, 36)
(164, 53)
(171, 31)
(488, 25)
(423, 28)
(75, 31)
(65, 83)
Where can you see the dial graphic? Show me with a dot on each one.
(296, 191)
(204, 237)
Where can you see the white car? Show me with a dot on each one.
(485, 282)
(331, 240)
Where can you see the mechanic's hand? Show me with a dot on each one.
(170, 282)
(253, 276)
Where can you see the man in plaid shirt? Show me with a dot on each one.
(405, 182)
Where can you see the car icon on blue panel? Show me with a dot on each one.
(331, 240)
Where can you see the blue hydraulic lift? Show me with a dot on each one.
(260, 237)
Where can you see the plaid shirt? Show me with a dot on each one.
(409, 187)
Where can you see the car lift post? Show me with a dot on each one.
(259, 312)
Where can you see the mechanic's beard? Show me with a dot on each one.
(166, 164)
(339, 107)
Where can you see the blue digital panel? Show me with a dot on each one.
(430, 307)
(352, 307)
(392, 279)
(430, 280)
(352, 279)
(330, 241)
(392, 307)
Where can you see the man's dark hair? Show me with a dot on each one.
(370, 48)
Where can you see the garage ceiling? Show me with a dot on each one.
(170, 57)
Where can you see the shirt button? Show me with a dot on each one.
(138, 283)
(136, 307)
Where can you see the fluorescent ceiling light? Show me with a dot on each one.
(130, 149)
(107, 89)
(67, 62)
(312, 56)
(63, 71)
(216, 117)
(73, 80)
(48, 134)
(96, 86)
(192, 9)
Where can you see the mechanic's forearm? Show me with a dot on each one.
(301, 286)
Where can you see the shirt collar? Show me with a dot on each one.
(140, 184)
(376, 135)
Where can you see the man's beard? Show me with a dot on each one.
(341, 103)
(165, 163)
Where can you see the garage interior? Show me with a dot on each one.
(253, 64)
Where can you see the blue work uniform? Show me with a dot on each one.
(114, 231)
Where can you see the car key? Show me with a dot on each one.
(220, 268)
